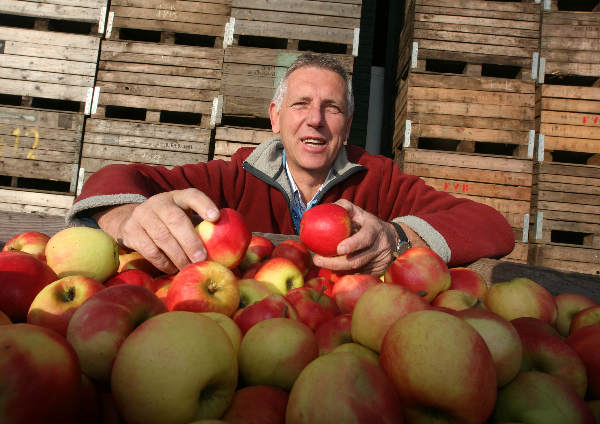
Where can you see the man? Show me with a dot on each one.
(149, 209)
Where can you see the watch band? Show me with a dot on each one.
(402, 244)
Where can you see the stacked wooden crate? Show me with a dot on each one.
(47, 70)
(159, 75)
(263, 39)
(567, 173)
(465, 110)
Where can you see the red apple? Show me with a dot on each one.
(588, 316)
(22, 276)
(136, 277)
(161, 281)
(251, 291)
(56, 303)
(378, 309)
(323, 227)
(313, 307)
(349, 288)
(545, 351)
(421, 270)
(40, 376)
(272, 306)
(134, 260)
(250, 272)
(233, 331)
(331, 275)
(274, 351)
(280, 275)
(567, 306)
(457, 300)
(4, 319)
(31, 242)
(501, 338)
(586, 342)
(359, 350)
(227, 239)
(204, 287)
(468, 280)
(258, 249)
(101, 324)
(521, 297)
(453, 381)
(343, 387)
(257, 405)
(296, 252)
(319, 284)
(333, 333)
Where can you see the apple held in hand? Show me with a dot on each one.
(83, 251)
(323, 227)
(567, 306)
(313, 307)
(40, 376)
(204, 287)
(421, 270)
(174, 368)
(258, 249)
(227, 239)
(31, 242)
(22, 276)
(56, 303)
(280, 275)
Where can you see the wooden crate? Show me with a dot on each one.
(40, 144)
(39, 203)
(118, 141)
(229, 139)
(92, 11)
(475, 32)
(335, 21)
(48, 65)
(250, 76)
(158, 77)
(569, 121)
(466, 113)
(585, 260)
(502, 183)
(197, 17)
(570, 43)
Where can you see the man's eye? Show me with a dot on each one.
(334, 108)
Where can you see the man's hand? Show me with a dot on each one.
(369, 249)
(161, 228)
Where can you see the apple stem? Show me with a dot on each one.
(422, 293)
(69, 295)
(321, 292)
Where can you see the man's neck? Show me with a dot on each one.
(308, 184)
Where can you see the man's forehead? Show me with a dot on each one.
(334, 80)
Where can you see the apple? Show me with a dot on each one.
(4, 319)
(272, 306)
(227, 239)
(360, 350)
(343, 387)
(90, 402)
(280, 275)
(323, 227)
(421, 270)
(501, 338)
(567, 306)
(296, 252)
(31, 242)
(40, 376)
(468, 280)
(331, 274)
(204, 286)
(588, 316)
(457, 300)
(274, 351)
(378, 309)
(257, 405)
(83, 251)
(22, 276)
(56, 303)
(251, 291)
(99, 326)
(521, 297)
(175, 367)
(586, 342)
(134, 260)
(349, 288)
(258, 249)
(545, 351)
(250, 272)
(595, 407)
(455, 381)
(313, 307)
(333, 333)
(537, 397)
(233, 331)
(320, 284)
(131, 276)
(160, 282)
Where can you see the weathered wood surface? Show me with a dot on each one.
(229, 139)
(70, 10)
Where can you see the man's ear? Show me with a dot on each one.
(274, 115)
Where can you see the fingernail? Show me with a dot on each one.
(212, 213)
(342, 250)
(199, 256)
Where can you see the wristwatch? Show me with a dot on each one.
(402, 244)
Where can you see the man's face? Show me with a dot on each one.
(313, 120)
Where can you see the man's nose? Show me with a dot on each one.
(315, 115)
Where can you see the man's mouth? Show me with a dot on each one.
(314, 141)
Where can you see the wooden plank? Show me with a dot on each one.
(273, 57)
(471, 121)
(480, 189)
(54, 10)
(16, 219)
(480, 49)
(331, 8)
(163, 16)
(213, 56)
(465, 37)
(466, 109)
(296, 18)
(573, 198)
(478, 175)
(572, 144)
(507, 18)
(49, 38)
(471, 161)
(34, 198)
(470, 134)
(300, 32)
(571, 105)
(153, 25)
(484, 5)
(24, 48)
(465, 20)
(135, 155)
(472, 83)
(478, 29)
(548, 170)
(471, 96)
(154, 103)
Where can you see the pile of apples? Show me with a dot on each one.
(257, 334)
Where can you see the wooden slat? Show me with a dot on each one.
(73, 10)
(331, 8)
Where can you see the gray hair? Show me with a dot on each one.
(315, 61)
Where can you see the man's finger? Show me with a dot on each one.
(197, 201)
